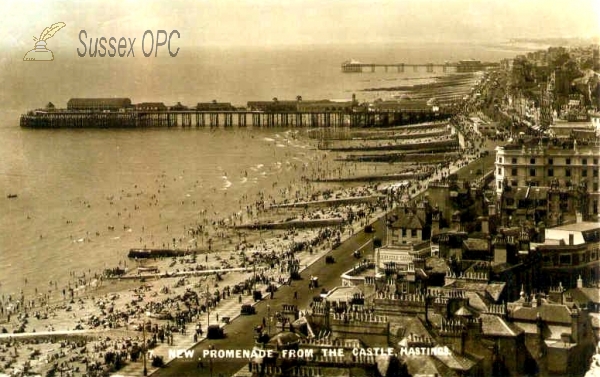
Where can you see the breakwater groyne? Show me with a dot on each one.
(422, 158)
(376, 178)
(157, 253)
(430, 146)
(331, 202)
(121, 113)
(295, 224)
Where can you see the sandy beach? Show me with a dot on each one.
(92, 325)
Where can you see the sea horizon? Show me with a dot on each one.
(56, 173)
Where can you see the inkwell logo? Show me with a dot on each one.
(40, 52)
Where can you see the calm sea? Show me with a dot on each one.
(72, 185)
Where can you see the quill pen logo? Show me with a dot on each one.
(40, 52)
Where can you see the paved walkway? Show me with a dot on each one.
(228, 307)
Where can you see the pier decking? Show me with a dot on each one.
(240, 118)
(463, 66)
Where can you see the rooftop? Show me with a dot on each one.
(476, 244)
(585, 295)
(494, 325)
(555, 313)
(581, 226)
(342, 293)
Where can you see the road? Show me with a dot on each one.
(240, 334)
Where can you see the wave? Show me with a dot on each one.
(268, 139)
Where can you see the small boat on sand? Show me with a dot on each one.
(11, 196)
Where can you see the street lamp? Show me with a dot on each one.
(210, 348)
(144, 347)
(269, 319)
(207, 309)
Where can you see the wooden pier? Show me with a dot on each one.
(239, 118)
(353, 66)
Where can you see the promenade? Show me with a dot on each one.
(238, 329)
(240, 334)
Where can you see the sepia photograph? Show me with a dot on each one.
(300, 188)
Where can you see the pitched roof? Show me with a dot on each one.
(405, 326)
(98, 103)
(494, 325)
(463, 312)
(554, 313)
(476, 244)
(585, 295)
(410, 221)
(456, 362)
(426, 366)
(475, 301)
(495, 290)
(285, 338)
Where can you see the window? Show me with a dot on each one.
(550, 161)
(595, 186)
(499, 171)
(403, 232)
(514, 183)
(551, 172)
(513, 172)
(546, 260)
(567, 172)
(568, 161)
(595, 161)
(584, 173)
(532, 172)
(500, 159)
(532, 160)
(595, 173)
(584, 161)
(514, 160)
(565, 259)
(413, 232)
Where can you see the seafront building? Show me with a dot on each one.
(548, 180)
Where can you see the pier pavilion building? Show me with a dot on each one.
(99, 104)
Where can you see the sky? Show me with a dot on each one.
(302, 22)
